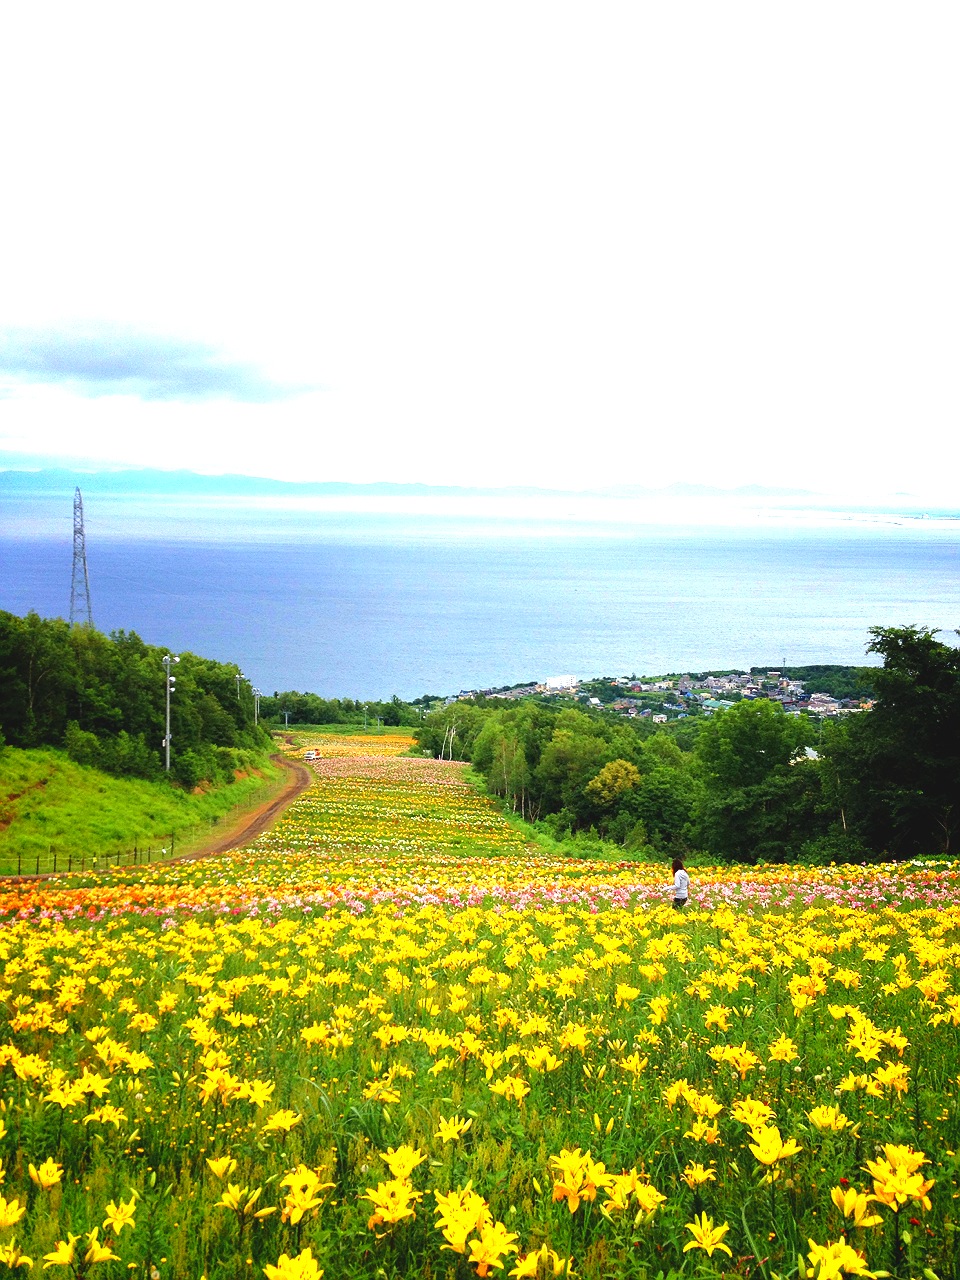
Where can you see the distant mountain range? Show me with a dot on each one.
(61, 480)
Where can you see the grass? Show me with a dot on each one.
(55, 814)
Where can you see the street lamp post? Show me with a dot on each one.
(170, 684)
(257, 695)
(238, 678)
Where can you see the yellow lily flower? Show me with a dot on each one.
(706, 1236)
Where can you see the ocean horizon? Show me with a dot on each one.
(368, 597)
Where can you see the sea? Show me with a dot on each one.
(367, 598)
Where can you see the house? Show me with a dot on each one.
(717, 704)
(821, 704)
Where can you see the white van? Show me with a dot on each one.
(310, 755)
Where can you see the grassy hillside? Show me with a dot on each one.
(51, 807)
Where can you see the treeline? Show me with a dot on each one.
(310, 708)
(747, 784)
(836, 681)
(102, 698)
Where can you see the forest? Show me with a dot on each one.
(102, 699)
(747, 784)
(311, 708)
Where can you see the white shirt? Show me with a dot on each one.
(681, 884)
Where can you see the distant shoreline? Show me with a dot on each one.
(16, 475)
(152, 480)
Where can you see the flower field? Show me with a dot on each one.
(391, 1038)
(354, 746)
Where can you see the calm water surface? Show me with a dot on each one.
(368, 606)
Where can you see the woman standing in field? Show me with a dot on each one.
(681, 884)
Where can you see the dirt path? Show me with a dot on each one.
(251, 824)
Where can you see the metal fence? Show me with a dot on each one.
(54, 862)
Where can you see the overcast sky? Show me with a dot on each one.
(500, 243)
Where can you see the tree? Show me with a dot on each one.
(896, 768)
(102, 697)
(743, 745)
(507, 751)
(665, 802)
(613, 781)
(761, 794)
(575, 752)
(449, 733)
(499, 755)
(36, 677)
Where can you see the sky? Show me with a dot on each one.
(498, 244)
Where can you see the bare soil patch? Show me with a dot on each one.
(245, 828)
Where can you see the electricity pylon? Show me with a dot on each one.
(81, 611)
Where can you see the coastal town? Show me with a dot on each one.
(675, 697)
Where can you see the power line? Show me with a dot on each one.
(81, 611)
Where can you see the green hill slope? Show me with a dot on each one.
(55, 814)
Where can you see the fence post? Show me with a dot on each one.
(37, 872)
(69, 863)
(54, 862)
(18, 862)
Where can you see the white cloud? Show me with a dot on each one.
(526, 243)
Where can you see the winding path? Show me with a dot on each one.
(251, 824)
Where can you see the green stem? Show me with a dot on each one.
(761, 1263)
